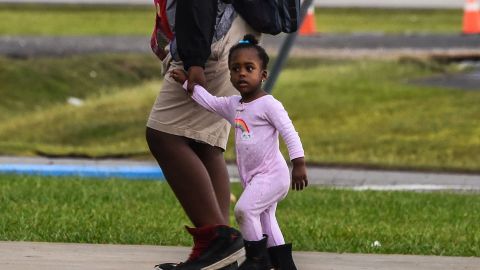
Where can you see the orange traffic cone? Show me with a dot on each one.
(471, 17)
(308, 24)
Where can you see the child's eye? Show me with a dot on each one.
(250, 68)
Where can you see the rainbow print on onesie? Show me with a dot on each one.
(240, 124)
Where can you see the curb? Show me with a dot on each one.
(96, 171)
(344, 178)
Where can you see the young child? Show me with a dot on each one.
(258, 118)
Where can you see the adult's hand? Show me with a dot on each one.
(196, 75)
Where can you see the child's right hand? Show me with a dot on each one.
(178, 75)
(299, 174)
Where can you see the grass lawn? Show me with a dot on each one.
(32, 85)
(354, 113)
(146, 212)
(388, 122)
(31, 19)
(390, 21)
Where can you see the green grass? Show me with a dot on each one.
(146, 212)
(365, 113)
(111, 124)
(34, 103)
(64, 20)
(390, 21)
(28, 85)
(348, 113)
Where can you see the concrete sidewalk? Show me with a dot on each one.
(59, 256)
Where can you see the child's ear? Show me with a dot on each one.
(264, 74)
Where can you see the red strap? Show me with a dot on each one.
(161, 30)
(161, 6)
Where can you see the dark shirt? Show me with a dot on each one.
(194, 29)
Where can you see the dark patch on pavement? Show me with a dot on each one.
(469, 80)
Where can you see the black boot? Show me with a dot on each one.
(215, 247)
(256, 254)
(281, 257)
(233, 266)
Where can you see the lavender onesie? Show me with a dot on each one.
(263, 170)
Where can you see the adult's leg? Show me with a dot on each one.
(214, 162)
(187, 176)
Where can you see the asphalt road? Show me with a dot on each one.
(337, 45)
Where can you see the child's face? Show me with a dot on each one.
(246, 72)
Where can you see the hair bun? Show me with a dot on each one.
(251, 39)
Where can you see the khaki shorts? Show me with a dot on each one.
(174, 112)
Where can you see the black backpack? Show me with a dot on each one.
(270, 16)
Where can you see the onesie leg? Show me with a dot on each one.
(259, 195)
(270, 227)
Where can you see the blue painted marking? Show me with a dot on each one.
(98, 171)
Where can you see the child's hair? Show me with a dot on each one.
(249, 41)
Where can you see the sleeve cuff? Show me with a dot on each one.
(194, 62)
(295, 155)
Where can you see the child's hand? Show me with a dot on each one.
(178, 75)
(299, 174)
